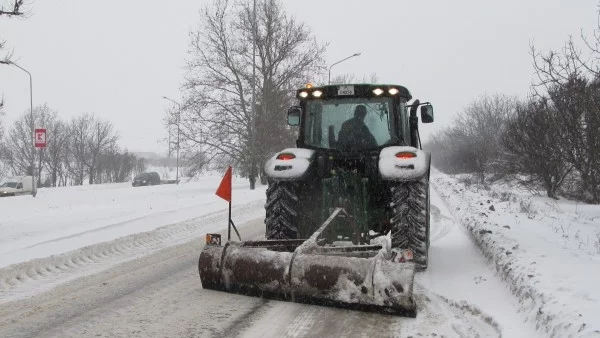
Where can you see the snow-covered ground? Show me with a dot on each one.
(63, 219)
(539, 269)
(61, 228)
(547, 251)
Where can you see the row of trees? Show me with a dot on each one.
(550, 140)
(216, 119)
(83, 149)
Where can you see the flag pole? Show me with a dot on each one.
(229, 224)
(224, 191)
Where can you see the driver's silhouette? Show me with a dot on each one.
(354, 133)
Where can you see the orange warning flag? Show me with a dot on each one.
(224, 190)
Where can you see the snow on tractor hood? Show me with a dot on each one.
(403, 163)
(290, 163)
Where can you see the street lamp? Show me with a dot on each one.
(33, 187)
(178, 119)
(253, 117)
(342, 60)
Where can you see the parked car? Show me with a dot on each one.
(147, 178)
(17, 185)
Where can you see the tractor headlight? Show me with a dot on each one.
(303, 94)
(317, 93)
(393, 91)
(377, 91)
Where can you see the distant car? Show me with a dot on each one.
(17, 185)
(143, 179)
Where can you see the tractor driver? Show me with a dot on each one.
(354, 133)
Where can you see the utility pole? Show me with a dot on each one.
(169, 151)
(253, 127)
(177, 122)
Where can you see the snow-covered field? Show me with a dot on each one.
(502, 262)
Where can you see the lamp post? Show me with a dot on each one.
(342, 60)
(32, 125)
(253, 117)
(178, 119)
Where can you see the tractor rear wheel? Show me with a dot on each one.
(410, 219)
(282, 210)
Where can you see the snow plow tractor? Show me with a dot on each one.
(347, 211)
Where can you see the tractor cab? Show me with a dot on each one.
(357, 117)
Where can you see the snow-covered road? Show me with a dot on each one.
(143, 291)
(62, 219)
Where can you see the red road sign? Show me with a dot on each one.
(40, 138)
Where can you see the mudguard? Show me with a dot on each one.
(291, 168)
(406, 168)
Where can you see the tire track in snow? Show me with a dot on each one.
(28, 278)
(437, 217)
(441, 317)
(438, 316)
(458, 270)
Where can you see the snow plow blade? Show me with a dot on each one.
(356, 277)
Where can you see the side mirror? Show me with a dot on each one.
(20, 186)
(294, 115)
(427, 113)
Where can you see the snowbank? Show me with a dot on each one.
(38, 275)
(547, 251)
(68, 218)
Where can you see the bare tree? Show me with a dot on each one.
(80, 128)
(56, 152)
(116, 166)
(13, 8)
(1, 122)
(451, 153)
(101, 139)
(20, 154)
(90, 138)
(474, 136)
(195, 163)
(533, 148)
(570, 82)
(4, 153)
(218, 115)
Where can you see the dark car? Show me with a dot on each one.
(142, 179)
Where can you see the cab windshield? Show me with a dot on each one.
(338, 124)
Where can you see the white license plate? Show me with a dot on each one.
(346, 90)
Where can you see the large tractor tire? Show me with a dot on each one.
(410, 219)
(283, 210)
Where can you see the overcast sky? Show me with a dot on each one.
(117, 59)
